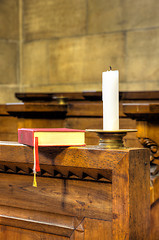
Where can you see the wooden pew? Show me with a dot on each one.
(73, 110)
(147, 123)
(83, 193)
(36, 110)
(8, 125)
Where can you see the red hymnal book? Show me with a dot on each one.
(49, 137)
(52, 136)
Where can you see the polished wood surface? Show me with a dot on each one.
(83, 193)
(155, 220)
(142, 110)
(87, 95)
(8, 125)
(147, 116)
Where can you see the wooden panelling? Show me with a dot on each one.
(8, 128)
(78, 209)
(84, 123)
(97, 230)
(38, 123)
(86, 108)
(21, 234)
(38, 221)
(8, 124)
(69, 197)
(132, 191)
(9, 137)
(89, 157)
(155, 220)
(140, 194)
(79, 233)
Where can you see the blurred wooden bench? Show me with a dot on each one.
(73, 110)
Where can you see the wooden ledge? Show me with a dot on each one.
(82, 157)
(85, 163)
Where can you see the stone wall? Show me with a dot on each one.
(65, 45)
(9, 49)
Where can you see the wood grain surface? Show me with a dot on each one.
(83, 193)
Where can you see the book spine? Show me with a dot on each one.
(26, 137)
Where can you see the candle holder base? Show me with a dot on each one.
(111, 139)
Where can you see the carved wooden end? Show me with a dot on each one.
(83, 194)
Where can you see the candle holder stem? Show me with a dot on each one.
(111, 139)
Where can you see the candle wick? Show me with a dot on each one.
(110, 67)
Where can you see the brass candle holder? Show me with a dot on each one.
(61, 99)
(111, 139)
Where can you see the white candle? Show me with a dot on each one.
(110, 96)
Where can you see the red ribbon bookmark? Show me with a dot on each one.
(36, 155)
(36, 167)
